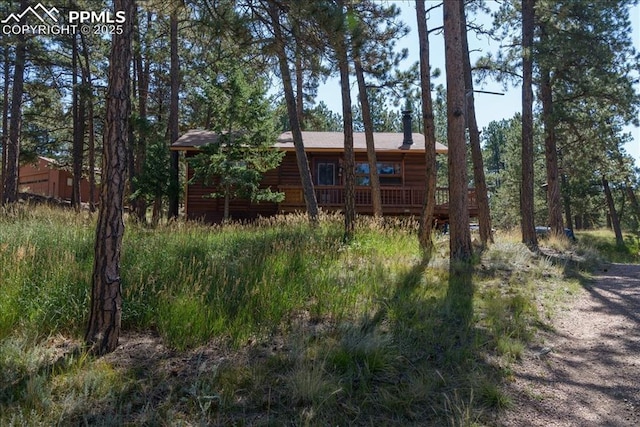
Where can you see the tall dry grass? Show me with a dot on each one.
(314, 331)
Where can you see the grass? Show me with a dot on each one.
(604, 245)
(266, 324)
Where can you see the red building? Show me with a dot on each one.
(47, 178)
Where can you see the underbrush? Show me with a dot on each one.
(266, 324)
(603, 242)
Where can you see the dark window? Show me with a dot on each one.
(326, 173)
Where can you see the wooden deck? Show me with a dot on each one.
(395, 200)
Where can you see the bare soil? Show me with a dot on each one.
(586, 371)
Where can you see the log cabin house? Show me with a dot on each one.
(401, 167)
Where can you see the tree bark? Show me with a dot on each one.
(374, 178)
(426, 219)
(460, 236)
(529, 236)
(301, 156)
(348, 169)
(613, 214)
(91, 154)
(131, 176)
(143, 67)
(174, 186)
(482, 197)
(299, 86)
(86, 76)
(567, 205)
(78, 129)
(104, 324)
(631, 195)
(5, 118)
(554, 201)
(156, 211)
(12, 169)
(551, 157)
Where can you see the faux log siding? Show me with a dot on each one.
(288, 173)
(210, 210)
(413, 166)
(415, 171)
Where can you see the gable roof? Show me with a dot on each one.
(334, 141)
(317, 141)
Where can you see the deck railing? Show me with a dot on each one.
(396, 197)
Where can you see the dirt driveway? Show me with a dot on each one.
(587, 371)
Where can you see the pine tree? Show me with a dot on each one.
(173, 129)
(482, 198)
(529, 236)
(460, 237)
(427, 216)
(12, 147)
(338, 38)
(279, 47)
(245, 130)
(105, 318)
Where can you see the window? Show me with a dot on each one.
(390, 173)
(326, 173)
(69, 182)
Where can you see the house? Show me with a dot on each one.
(46, 177)
(401, 167)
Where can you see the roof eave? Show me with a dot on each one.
(324, 150)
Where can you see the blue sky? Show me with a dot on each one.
(488, 107)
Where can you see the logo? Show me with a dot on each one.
(41, 20)
(34, 11)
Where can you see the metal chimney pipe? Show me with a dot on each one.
(406, 126)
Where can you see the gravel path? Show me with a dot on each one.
(588, 372)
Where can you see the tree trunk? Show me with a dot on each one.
(460, 237)
(631, 195)
(103, 329)
(5, 118)
(613, 214)
(578, 220)
(91, 154)
(86, 76)
(529, 236)
(174, 186)
(428, 209)
(156, 211)
(299, 86)
(567, 204)
(131, 174)
(143, 71)
(554, 201)
(301, 155)
(78, 129)
(482, 197)
(13, 146)
(551, 157)
(374, 178)
(348, 169)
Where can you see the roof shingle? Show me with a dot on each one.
(318, 141)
